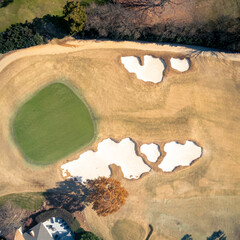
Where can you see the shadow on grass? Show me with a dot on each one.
(69, 194)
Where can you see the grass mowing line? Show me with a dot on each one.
(52, 124)
(29, 201)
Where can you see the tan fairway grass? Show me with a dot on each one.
(201, 104)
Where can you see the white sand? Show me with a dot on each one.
(151, 71)
(181, 65)
(179, 155)
(151, 151)
(91, 165)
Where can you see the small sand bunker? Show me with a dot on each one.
(151, 151)
(91, 165)
(181, 65)
(151, 71)
(179, 155)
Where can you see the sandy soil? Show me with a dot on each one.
(201, 104)
(181, 65)
(91, 165)
(179, 155)
(151, 151)
(151, 70)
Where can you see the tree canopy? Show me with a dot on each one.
(107, 195)
(74, 14)
(19, 36)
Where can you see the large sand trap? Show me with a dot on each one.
(151, 71)
(179, 155)
(151, 151)
(181, 65)
(91, 165)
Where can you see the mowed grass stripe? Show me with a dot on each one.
(53, 124)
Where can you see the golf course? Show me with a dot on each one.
(73, 100)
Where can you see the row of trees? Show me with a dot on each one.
(116, 22)
(119, 20)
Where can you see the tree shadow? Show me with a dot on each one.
(187, 237)
(4, 3)
(69, 194)
(219, 235)
(50, 26)
(150, 232)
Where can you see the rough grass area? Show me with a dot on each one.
(127, 230)
(29, 201)
(53, 124)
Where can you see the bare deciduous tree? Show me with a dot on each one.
(112, 20)
(11, 218)
(146, 5)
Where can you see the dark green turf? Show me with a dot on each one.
(29, 201)
(53, 124)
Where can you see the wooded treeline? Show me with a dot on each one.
(121, 21)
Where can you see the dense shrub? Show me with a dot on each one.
(88, 236)
(81, 234)
(19, 36)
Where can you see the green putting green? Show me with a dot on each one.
(52, 124)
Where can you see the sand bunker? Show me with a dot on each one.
(179, 155)
(181, 65)
(151, 151)
(151, 71)
(91, 165)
